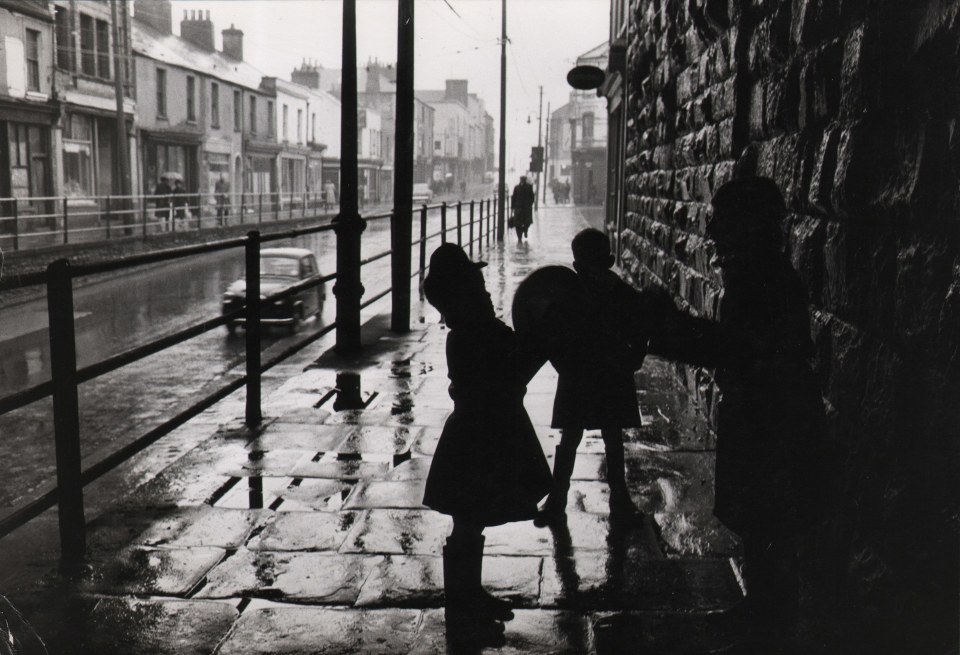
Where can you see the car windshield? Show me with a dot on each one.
(281, 266)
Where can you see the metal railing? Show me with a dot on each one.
(34, 222)
(474, 218)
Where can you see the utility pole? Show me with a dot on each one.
(502, 186)
(348, 224)
(119, 76)
(401, 222)
(536, 194)
(546, 153)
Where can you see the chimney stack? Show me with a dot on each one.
(157, 14)
(233, 43)
(197, 30)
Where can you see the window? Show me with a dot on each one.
(587, 127)
(270, 118)
(94, 47)
(161, 93)
(313, 128)
(78, 156)
(253, 114)
(437, 145)
(215, 105)
(33, 60)
(88, 62)
(237, 111)
(299, 126)
(191, 99)
(103, 49)
(64, 40)
(286, 126)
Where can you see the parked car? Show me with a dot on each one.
(422, 193)
(280, 268)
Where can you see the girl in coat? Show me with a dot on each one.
(488, 468)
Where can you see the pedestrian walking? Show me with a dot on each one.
(488, 468)
(179, 200)
(162, 203)
(329, 195)
(221, 190)
(770, 417)
(521, 208)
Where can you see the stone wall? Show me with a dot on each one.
(852, 106)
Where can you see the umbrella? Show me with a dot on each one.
(172, 175)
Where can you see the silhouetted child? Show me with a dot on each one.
(596, 381)
(488, 468)
(770, 416)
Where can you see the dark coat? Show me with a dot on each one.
(488, 467)
(770, 417)
(521, 202)
(163, 190)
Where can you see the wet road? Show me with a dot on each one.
(117, 314)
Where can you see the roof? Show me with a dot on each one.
(175, 51)
(431, 95)
(599, 52)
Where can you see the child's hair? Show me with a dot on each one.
(591, 246)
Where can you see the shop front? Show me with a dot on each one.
(25, 167)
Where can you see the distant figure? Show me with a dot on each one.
(463, 188)
(488, 468)
(222, 189)
(596, 386)
(162, 202)
(180, 199)
(770, 417)
(329, 195)
(521, 207)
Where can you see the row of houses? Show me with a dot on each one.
(204, 114)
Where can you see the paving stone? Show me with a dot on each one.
(274, 463)
(426, 444)
(286, 630)
(203, 526)
(302, 577)
(154, 626)
(416, 468)
(322, 495)
(671, 420)
(399, 494)
(537, 632)
(399, 531)
(622, 580)
(378, 439)
(340, 469)
(163, 571)
(305, 531)
(657, 633)
(298, 436)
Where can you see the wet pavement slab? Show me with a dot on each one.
(307, 534)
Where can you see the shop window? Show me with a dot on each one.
(64, 40)
(78, 157)
(191, 99)
(215, 105)
(161, 93)
(33, 60)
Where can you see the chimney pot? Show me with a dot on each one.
(186, 14)
(208, 14)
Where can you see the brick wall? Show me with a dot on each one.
(852, 106)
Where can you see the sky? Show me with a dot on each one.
(455, 39)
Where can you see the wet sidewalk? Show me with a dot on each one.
(309, 536)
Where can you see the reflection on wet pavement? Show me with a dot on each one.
(308, 536)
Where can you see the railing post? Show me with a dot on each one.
(200, 212)
(252, 256)
(443, 222)
(459, 222)
(276, 207)
(66, 415)
(16, 224)
(480, 229)
(109, 209)
(143, 207)
(471, 229)
(489, 217)
(66, 229)
(423, 246)
(243, 197)
(173, 215)
(260, 208)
